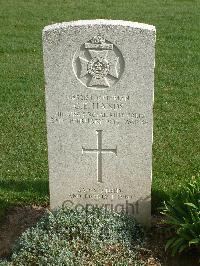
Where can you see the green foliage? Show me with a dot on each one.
(89, 237)
(5, 263)
(183, 214)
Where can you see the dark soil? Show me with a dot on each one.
(18, 219)
(156, 239)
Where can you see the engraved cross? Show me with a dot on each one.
(99, 151)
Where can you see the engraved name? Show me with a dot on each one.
(95, 109)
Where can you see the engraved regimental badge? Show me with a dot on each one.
(98, 64)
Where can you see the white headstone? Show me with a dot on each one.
(99, 78)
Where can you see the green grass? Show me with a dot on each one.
(24, 172)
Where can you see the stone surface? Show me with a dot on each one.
(99, 81)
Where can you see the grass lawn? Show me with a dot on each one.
(23, 160)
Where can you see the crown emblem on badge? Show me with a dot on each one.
(98, 42)
(98, 39)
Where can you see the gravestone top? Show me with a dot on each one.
(99, 81)
(104, 22)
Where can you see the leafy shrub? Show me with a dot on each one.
(183, 214)
(5, 263)
(70, 237)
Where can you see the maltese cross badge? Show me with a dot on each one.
(99, 64)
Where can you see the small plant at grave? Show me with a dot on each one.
(70, 237)
(5, 263)
(183, 214)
